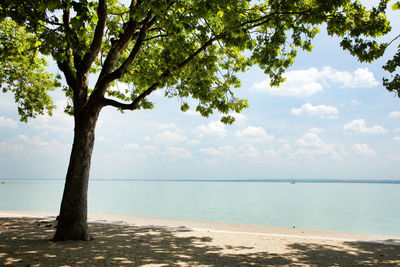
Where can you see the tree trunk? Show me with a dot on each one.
(72, 220)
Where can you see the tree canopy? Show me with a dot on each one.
(191, 48)
(23, 70)
(392, 65)
(368, 50)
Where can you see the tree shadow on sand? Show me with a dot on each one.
(25, 242)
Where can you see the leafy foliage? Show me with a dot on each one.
(23, 71)
(193, 49)
(369, 49)
(393, 64)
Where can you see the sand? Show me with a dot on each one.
(140, 241)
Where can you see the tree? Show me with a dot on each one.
(392, 65)
(368, 50)
(189, 48)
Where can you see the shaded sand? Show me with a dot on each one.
(139, 241)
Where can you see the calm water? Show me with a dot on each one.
(352, 207)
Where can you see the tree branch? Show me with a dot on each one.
(65, 67)
(95, 47)
(117, 46)
(155, 37)
(107, 75)
(198, 51)
(135, 103)
(398, 36)
(132, 5)
(118, 73)
(70, 34)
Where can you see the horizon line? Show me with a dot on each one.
(300, 180)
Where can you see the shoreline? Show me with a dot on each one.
(121, 240)
(218, 227)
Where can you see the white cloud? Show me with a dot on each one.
(211, 151)
(58, 122)
(254, 134)
(130, 146)
(7, 123)
(310, 145)
(248, 151)
(270, 153)
(282, 153)
(363, 150)
(396, 138)
(230, 152)
(213, 161)
(359, 126)
(302, 83)
(169, 138)
(394, 114)
(355, 102)
(360, 78)
(397, 130)
(214, 128)
(316, 130)
(193, 142)
(178, 152)
(163, 126)
(240, 119)
(394, 157)
(285, 148)
(103, 139)
(150, 148)
(22, 144)
(225, 151)
(311, 140)
(321, 110)
(149, 151)
(299, 83)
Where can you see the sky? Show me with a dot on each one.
(331, 119)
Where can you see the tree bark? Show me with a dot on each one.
(72, 220)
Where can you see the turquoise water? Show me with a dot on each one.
(350, 207)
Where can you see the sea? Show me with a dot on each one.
(371, 207)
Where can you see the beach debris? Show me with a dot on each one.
(182, 228)
(45, 224)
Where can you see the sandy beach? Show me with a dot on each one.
(139, 241)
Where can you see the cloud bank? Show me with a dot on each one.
(303, 83)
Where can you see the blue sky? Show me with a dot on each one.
(332, 118)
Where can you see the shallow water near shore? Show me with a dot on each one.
(349, 207)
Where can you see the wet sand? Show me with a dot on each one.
(139, 241)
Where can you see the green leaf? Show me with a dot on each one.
(24, 71)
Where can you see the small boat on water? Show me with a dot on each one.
(3, 182)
